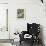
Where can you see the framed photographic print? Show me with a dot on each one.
(20, 13)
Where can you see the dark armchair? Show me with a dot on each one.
(33, 30)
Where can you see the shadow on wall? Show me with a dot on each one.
(41, 34)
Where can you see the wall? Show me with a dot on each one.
(34, 12)
(3, 1)
(3, 21)
(4, 34)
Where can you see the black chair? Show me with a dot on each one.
(32, 29)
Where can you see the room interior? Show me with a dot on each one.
(14, 16)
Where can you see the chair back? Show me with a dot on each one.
(33, 29)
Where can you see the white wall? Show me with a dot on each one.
(3, 1)
(34, 12)
(4, 34)
(3, 21)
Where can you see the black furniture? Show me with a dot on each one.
(33, 30)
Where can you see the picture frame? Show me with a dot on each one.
(20, 13)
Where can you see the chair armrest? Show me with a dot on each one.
(22, 35)
(24, 32)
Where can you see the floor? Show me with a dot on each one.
(27, 44)
(18, 44)
(5, 44)
(23, 44)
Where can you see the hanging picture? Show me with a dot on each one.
(20, 13)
